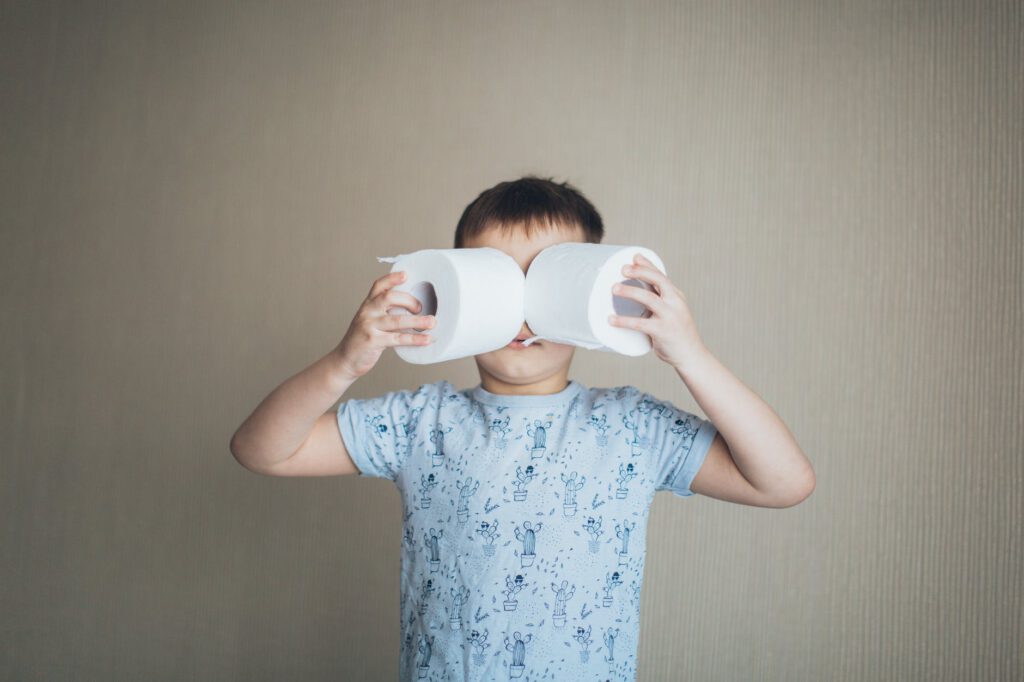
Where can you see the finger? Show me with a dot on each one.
(394, 298)
(390, 323)
(669, 292)
(641, 324)
(649, 274)
(671, 288)
(648, 299)
(385, 282)
(407, 339)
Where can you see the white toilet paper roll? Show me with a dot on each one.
(476, 296)
(569, 296)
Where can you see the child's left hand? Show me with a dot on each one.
(670, 325)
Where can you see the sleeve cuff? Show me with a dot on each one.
(349, 424)
(680, 484)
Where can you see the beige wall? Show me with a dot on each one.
(191, 201)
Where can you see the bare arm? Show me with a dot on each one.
(754, 458)
(291, 432)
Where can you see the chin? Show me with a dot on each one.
(524, 366)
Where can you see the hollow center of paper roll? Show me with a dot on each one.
(627, 307)
(425, 294)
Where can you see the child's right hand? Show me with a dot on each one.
(373, 329)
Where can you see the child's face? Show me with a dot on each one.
(515, 364)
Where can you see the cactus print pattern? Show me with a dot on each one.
(525, 522)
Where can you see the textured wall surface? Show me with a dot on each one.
(192, 196)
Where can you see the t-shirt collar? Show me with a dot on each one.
(563, 397)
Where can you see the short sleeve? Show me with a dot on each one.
(378, 432)
(678, 441)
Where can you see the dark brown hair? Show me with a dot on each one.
(529, 202)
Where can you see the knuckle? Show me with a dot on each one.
(405, 297)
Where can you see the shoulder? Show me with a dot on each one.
(632, 400)
(436, 396)
(449, 393)
(424, 396)
(616, 396)
(435, 391)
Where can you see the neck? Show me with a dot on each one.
(552, 384)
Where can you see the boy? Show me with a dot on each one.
(526, 497)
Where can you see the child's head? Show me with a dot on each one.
(521, 218)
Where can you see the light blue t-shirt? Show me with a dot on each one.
(525, 521)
